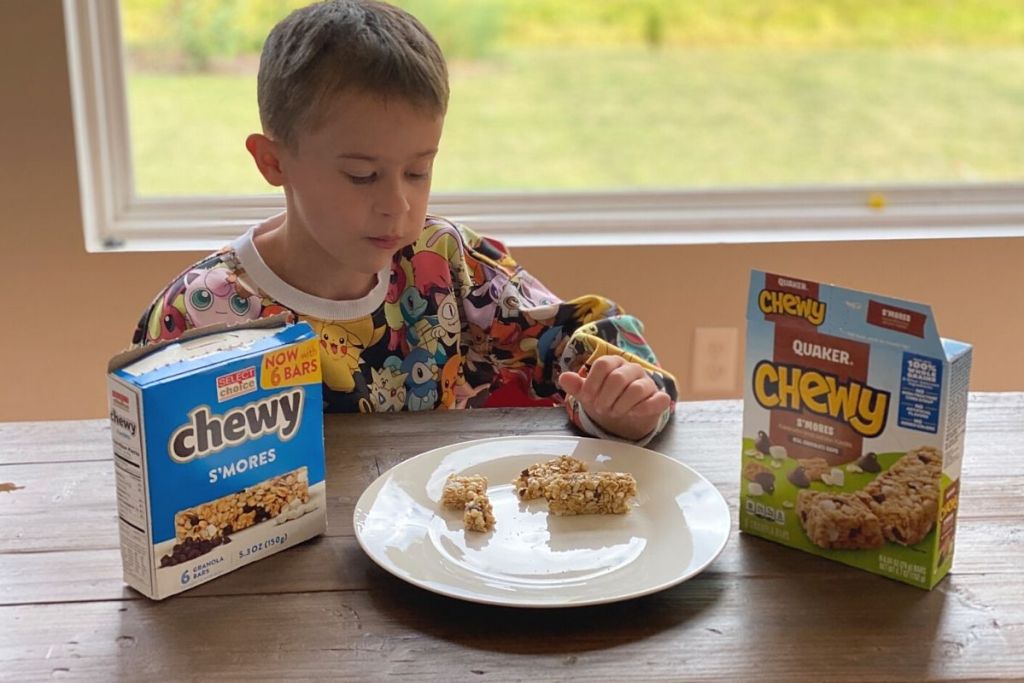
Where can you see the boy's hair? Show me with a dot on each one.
(320, 50)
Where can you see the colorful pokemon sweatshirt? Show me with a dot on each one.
(454, 322)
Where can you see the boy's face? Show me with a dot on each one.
(358, 184)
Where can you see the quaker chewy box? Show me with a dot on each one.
(853, 424)
(218, 452)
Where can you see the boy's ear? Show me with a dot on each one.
(265, 152)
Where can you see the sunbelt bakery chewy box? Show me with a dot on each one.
(218, 451)
(853, 423)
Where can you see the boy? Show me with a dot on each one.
(413, 312)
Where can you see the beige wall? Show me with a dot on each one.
(67, 311)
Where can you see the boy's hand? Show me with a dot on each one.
(619, 396)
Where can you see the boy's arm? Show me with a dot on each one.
(516, 326)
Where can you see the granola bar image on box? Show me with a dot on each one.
(590, 493)
(243, 509)
(921, 464)
(757, 473)
(906, 497)
(839, 521)
(531, 481)
(202, 528)
(814, 467)
(752, 470)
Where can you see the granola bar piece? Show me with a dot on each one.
(458, 490)
(841, 521)
(479, 515)
(758, 474)
(240, 510)
(531, 481)
(752, 469)
(921, 464)
(814, 467)
(590, 493)
(906, 497)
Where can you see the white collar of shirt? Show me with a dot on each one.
(260, 275)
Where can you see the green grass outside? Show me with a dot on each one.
(572, 118)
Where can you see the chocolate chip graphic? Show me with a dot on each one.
(763, 443)
(869, 463)
(190, 549)
(798, 477)
(766, 480)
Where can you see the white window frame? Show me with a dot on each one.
(116, 219)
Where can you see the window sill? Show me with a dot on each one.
(811, 214)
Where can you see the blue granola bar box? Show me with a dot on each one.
(853, 427)
(218, 451)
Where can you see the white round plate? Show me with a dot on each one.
(678, 525)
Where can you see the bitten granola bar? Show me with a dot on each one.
(530, 482)
(458, 490)
(243, 509)
(838, 520)
(479, 516)
(906, 497)
(590, 493)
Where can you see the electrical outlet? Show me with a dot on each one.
(714, 360)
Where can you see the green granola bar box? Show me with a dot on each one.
(853, 427)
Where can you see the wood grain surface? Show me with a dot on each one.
(323, 610)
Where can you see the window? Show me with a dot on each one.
(577, 122)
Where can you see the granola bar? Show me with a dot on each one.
(531, 481)
(220, 518)
(814, 467)
(841, 521)
(752, 470)
(921, 464)
(906, 497)
(459, 490)
(589, 493)
(479, 515)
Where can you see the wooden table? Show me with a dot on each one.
(323, 610)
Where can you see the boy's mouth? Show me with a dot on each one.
(386, 242)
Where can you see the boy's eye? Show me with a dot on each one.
(418, 176)
(361, 179)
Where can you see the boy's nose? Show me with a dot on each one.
(391, 200)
